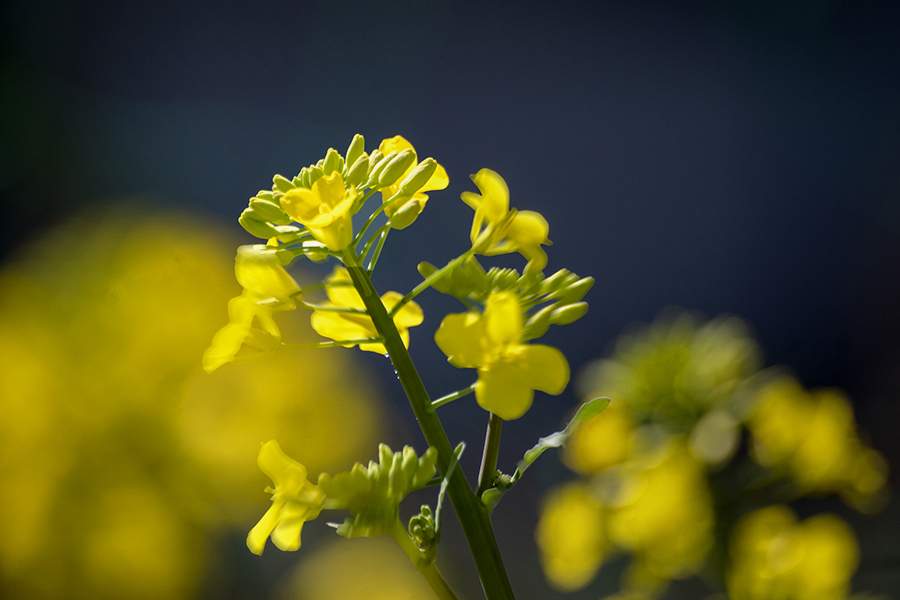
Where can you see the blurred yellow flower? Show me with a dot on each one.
(325, 209)
(341, 326)
(774, 557)
(498, 230)
(676, 370)
(663, 514)
(813, 436)
(268, 290)
(412, 206)
(571, 537)
(294, 501)
(508, 370)
(600, 443)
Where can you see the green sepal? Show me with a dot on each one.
(372, 494)
(356, 149)
(396, 167)
(256, 227)
(333, 162)
(358, 172)
(282, 183)
(569, 313)
(418, 177)
(269, 210)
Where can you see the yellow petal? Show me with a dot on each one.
(437, 181)
(340, 289)
(408, 316)
(543, 368)
(259, 272)
(528, 228)
(494, 193)
(301, 205)
(256, 539)
(337, 235)
(329, 189)
(398, 143)
(286, 535)
(459, 337)
(504, 319)
(342, 326)
(225, 345)
(279, 466)
(501, 390)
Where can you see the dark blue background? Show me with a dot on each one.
(739, 157)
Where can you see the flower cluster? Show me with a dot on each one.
(665, 453)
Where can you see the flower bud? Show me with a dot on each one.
(555, 281)
(376, 169)
(576, 291)
(406, 214)
(304, 178)
(396, 168)
(569, 313)
(296, 181)
(359, 172)
(442, 284)
(333, 162)
(255, 227)
(266, 195)
(315, 173)
(268, 210)
(356, 149)
(417, 177)
(281, 183)
(538, 324)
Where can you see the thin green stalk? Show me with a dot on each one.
(489, 458)
(454, 396)
(472, 514)
(427, 568)
(381, 238)
(324, 308)
(426, 283)
(332, 344)
(362, 232)
(370, 242)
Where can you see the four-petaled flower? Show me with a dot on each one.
(498, 230)
(294, 501)
(358, 325)
(325, 210)
(508, 371)
(412, 206)
(268, 290)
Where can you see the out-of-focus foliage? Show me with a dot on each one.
(378, 572)
(119, 455)
(665, 475)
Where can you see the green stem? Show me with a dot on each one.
(489, 458)
(454, 396)
(325, 308)
(426, 567)
(381, 238)
(472, 514)
(332, 344)
(429, 280)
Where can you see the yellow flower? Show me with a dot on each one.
(663, 514)
(412, 206)
(774, 556)
(504, 230)
(570, 536)
(600, 443)
(813, 436)
(325, 210)
(354, 326)
(267, 291)
(294, 501)
(508, 371)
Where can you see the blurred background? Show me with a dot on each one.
(720, 157)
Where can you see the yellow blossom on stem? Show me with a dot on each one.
(294, 501)
(358, 325)
(498, 230)
(325, 209)
(268, 290)
(409, 207)
(508, 370)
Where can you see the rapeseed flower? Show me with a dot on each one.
(774, 556)
(404, 211)
(354, 326)
(813, 436)
(268, 290)
(508, 370)
(571, 537)
(294, 501)
(498, 230)
(325, 209)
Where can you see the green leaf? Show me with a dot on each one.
(588, 410)
(457, 453)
